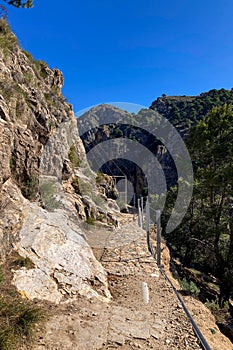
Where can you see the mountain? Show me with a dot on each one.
(46, 185)
(184, 111)
(49, 201)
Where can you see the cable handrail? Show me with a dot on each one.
(196, 330)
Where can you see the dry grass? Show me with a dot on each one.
(19, 318)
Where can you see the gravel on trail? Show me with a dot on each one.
(129, 321)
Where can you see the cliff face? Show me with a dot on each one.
(46, 186)
(128, 147)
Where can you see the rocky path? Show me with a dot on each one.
(127, 322)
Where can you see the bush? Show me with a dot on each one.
(24, 262)
(189, 287)
(8, 41)
(90, 221)
(99, 177)
(17, 322)
(31, 187)
(73, 157)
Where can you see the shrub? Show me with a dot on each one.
(28, 55)
(17, 322)
(189, 287)
(8, 41)
(40, 68)
(90, 220)
(99, 177)
(24, 262)
(30, 188)
(73, 157)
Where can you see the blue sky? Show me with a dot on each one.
(130, 50)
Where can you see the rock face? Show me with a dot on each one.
(64, 263)
(126, 146)
(43, 161)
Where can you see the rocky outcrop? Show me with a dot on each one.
(65, 266)
(47, 190)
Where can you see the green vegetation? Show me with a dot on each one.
(204, 240)
(185, 111)
(8, 41)
(11, 163)
(29, 56)
(30, 187)
(99, 177)
(20, 3)
(90, 220)
(18, 319)
(117, 132)
(73, 157)
(98, 200)
(40, 68)
(11, 90)
(189, 287)
(81, 187)
(24, 262)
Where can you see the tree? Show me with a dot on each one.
(20, 3)
(205, 238)
(211, 146)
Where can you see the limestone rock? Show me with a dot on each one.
(64, 262)
(41, 157)
(13, 213)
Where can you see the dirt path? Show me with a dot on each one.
(127, 322)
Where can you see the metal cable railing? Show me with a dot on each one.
(157, 257)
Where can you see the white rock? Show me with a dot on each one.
(63, 259)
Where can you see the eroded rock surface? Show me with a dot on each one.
(65, 266)
(43, 161)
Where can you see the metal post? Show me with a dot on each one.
(148, 224)
(158, 225)
(141, 203)
(149, 244)
(141, 206)
(134, 200)
(147, 215)
(126, 190)
(139, 214)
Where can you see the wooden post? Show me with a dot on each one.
(158, 225)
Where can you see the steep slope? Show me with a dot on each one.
(47, 190)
